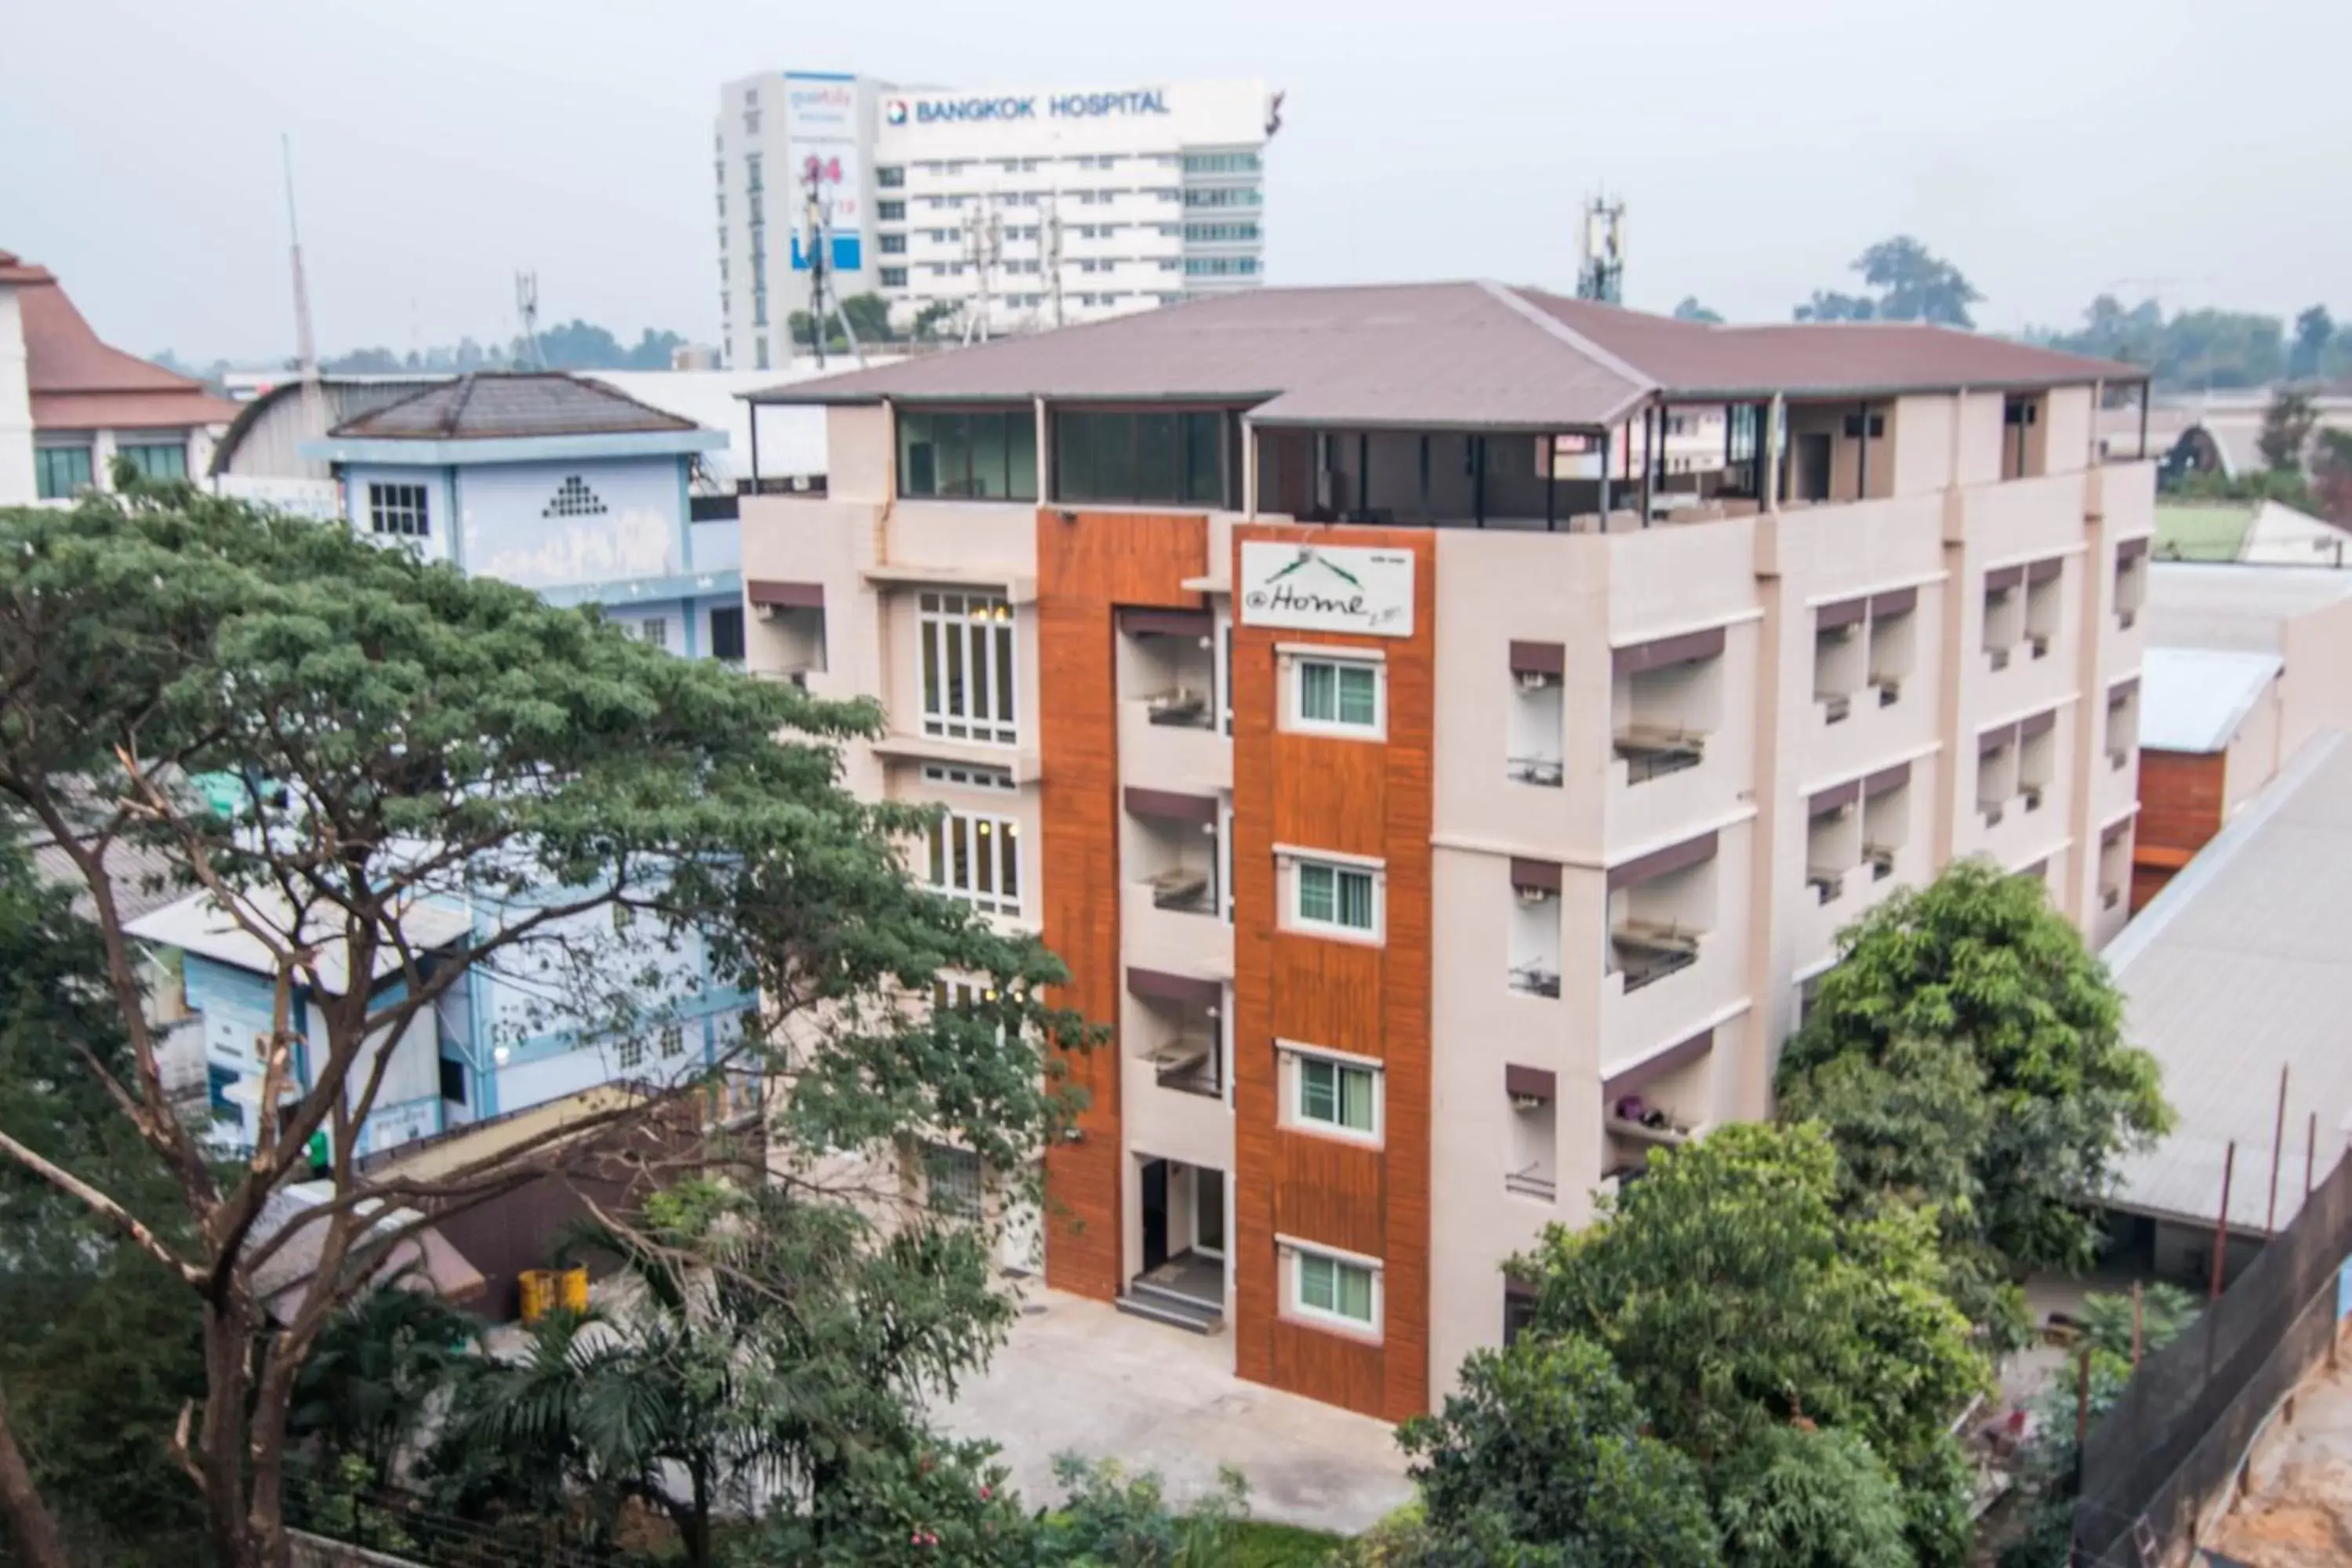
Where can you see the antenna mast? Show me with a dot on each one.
(1601, 275)
(526, 312)
(306, 347)
(984, 245)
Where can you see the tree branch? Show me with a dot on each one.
(106, 1208)
(36, 1527)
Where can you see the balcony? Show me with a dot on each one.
(1529, 1184)
(1654, 751)
(1646, 952)
(1547, 771)
(1827, 883)
(1188, 1063)
(1176, 1031)
(1535, 979)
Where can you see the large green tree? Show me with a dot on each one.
(1542, 1457)
(431, 737)
(1912, 284)
(1980, 962)
(2287, 423)
(1736, 1295)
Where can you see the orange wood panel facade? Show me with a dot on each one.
(1358, 797)
(1088, 564)
(2180, 799)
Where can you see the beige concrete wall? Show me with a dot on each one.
(1921, 431)
(2066, 421)
(2253, 758)
(1978, 439)
(858, 459)
(2314, 694)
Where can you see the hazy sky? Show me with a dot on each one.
(2052, 148)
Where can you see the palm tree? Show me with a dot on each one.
(375, 1369)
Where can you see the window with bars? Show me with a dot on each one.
(967, 657)
(673, 1040)
(977, 859)
(654, 630)
(951, 1179)
(573, 497)
(399, 510)
(1327, 1286)
(632, 1054)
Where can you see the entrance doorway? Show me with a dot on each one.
(1208, 1212)
(1155, 1213)
(1813, 466)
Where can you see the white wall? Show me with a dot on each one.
(16, 407)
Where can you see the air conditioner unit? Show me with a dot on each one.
(1534, 895)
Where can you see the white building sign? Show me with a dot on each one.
(1326, 588)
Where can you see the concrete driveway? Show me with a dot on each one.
(1078, 1375)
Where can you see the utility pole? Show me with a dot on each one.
(1053, 251)
(813, 220)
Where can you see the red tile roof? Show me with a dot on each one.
(79, 382)
(1434, 355)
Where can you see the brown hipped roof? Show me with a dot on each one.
(1438, 355)
(79, 382)
(493, 405)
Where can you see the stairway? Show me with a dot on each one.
(1173, 1308)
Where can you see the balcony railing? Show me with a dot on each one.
(1188, 1063)
(1184, 708)
(1535, 979)
(1529, 1184)
(1184, 889)
(1645, 953)
(1545, 770)
(1650, 751)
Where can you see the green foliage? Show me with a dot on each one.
(1736, 1296)
(1115, 1519)
(766, 1343)
(1542, 1456)
(1803, 1498)
(2314, 334)
(2331, 476)
(1912, 284)
(2045, 1469)
(369, 1382)
(100, 1348)
(2287, 425)
(2202, 349)
(1980, 958)
(945, 1504)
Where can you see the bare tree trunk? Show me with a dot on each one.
(219, 1456)
(28, 1516)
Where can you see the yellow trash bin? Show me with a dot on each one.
(575, 1290)
(538, 1293)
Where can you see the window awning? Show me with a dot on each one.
(784, 595)
(1531, 1083)
(1171, 805)
(1167, 623)
(1687, 648)
(1895, 601)
(1538, 659)
(1158, 985)
(1543, 875)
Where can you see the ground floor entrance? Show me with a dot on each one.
(1179, 1268)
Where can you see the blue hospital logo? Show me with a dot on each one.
(895, 111)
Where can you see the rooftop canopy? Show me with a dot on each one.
(1467, 355)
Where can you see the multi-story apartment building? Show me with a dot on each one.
(1011, 210)
(1446, 806)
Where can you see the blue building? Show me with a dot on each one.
(494, 1043)
(553, 482)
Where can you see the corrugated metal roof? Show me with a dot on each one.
(502, 405)
(198, 924)
(2194, 699)
(2222, 604)
(2240, 966)
(1436, 355)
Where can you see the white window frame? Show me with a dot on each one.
(653, 631)
(990, 845)
(1295, 1060)
(398, 509)
(1294, 1305)
(983, 636)
(1294, 677)
(1292, 864)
